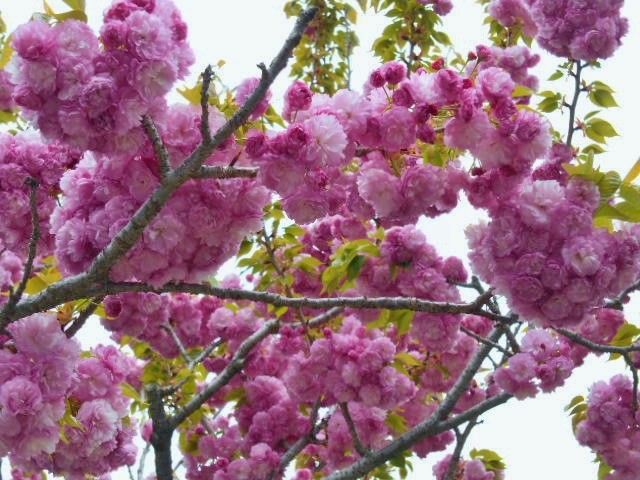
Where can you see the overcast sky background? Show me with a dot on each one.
(534, 437)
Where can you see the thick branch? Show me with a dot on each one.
(131, 233)
(69, 289)
(161, 436)
(434, 424)
(159, 147)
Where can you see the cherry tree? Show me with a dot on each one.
(346, 344)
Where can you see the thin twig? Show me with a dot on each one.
(162, 154)
(82, 318)
(143, 458)
(174, 335)
(434, 424)
(618, 302)
(484, 340)
(205, 129)
(16, 295)
(235, 365)
(461, 439)
(221, 172)
(634, 374)
(360, 448)
(302, 442)
(596, 347)
(205, 353)
(574, 103)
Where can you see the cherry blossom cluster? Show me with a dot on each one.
(542, 252)
(611, 428)
(572, 28)
(353, 364)
(44, 383)
(103, 440)
(311, 166)
(542, 357)
(36, 379)
(467, 470)
(11, 267)
(24, 157)
(148, 317)
(199, 228)
(91, 91)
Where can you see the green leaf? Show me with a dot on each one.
(609, 184)
(626, 335)
(491, 460)
(631, 193)
(355, 266)
(7, 52)
(522, 91)
(556, 75)
(603, 98)
(397, 422)
(574, 402)
(402, 319)
(408, 359)
(633, 173)
(549, 105)
(593, 148)
(602, 127)
(76, 4)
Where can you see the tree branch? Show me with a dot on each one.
(360, 448)
(68, 290)
(162, 433)
(158, 146)
(574, 103)
(16, 295)
(143, 458)
(235, 365)
(596, 347)
(183, 351)
(461, 439)
(618, 302)
(82, 318)
(434, 424)
(205, 129)
(210, 171)
(131, 233)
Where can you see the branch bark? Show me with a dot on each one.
(433, 425)
(131, 233)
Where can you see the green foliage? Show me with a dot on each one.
(577, 409)
(412, 36)
(491, 460)
(347, 263)
(322, 59)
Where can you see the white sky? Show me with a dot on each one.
(534, 436)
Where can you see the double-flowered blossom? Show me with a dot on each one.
(149, 316)
(24, 157)
(199, 228)
(577, 29)
(91, 91)
(542, 357)
(611, 428)
(44, 380)
(467, 470)
(542, 251)
(353, 364)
